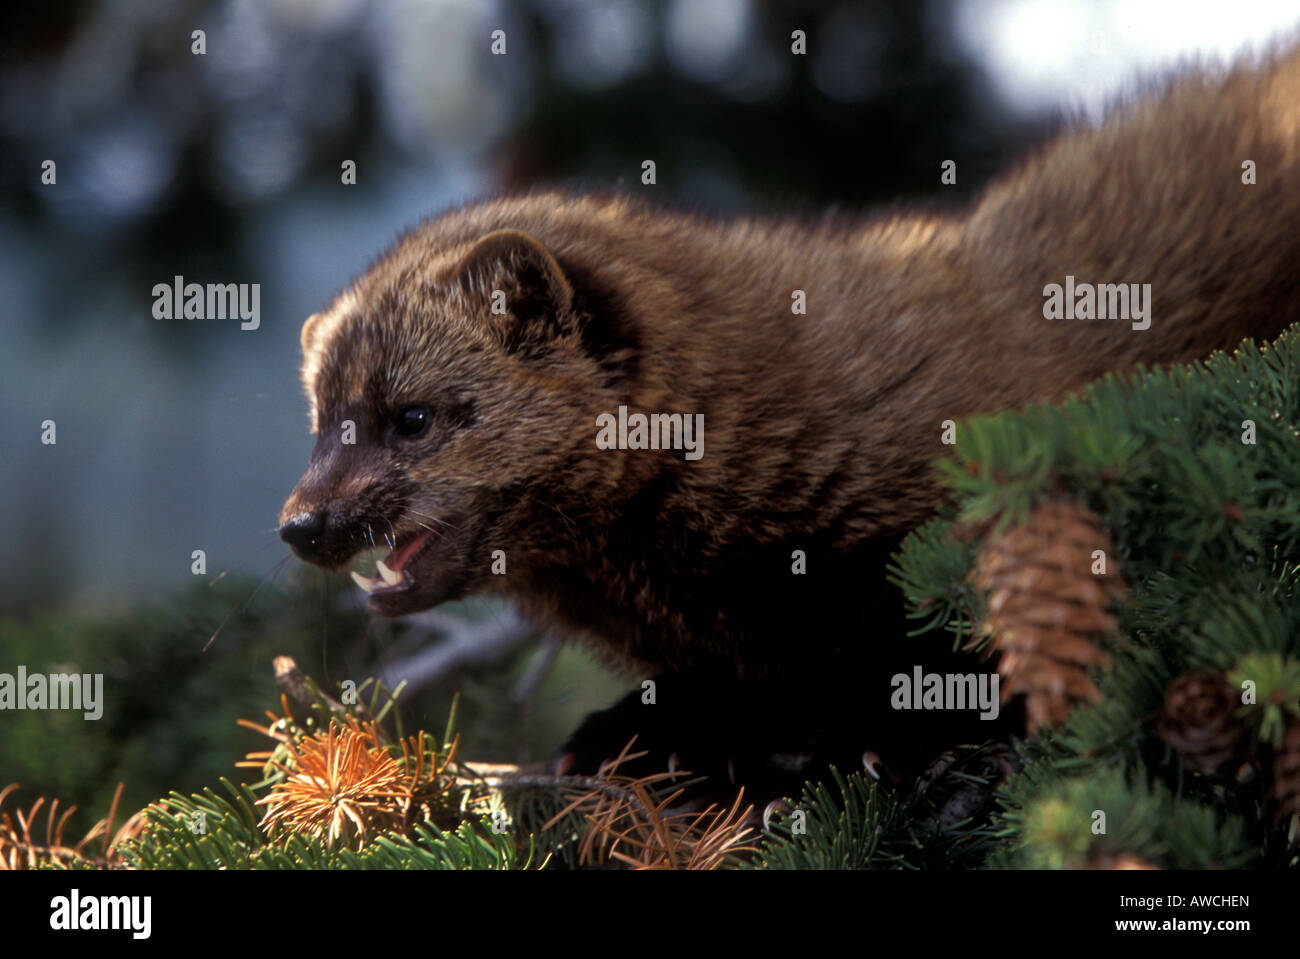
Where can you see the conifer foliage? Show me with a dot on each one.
(1168, 697)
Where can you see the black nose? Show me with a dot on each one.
(303, 530)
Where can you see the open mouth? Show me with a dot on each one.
(394, 570)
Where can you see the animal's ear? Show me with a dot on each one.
(307, 331)
(519, 288)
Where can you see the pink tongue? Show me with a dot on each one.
(398, 557)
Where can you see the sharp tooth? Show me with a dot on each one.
(365, 582)
(390, 577)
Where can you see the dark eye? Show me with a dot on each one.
(411, 421)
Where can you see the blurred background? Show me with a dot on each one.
(226, 166)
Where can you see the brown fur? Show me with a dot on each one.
(820, 430)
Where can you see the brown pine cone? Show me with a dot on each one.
(1200, 722)
(1046, 607)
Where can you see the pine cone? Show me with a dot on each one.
(1286, 773)
(1199, 721)
(1046, 606)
